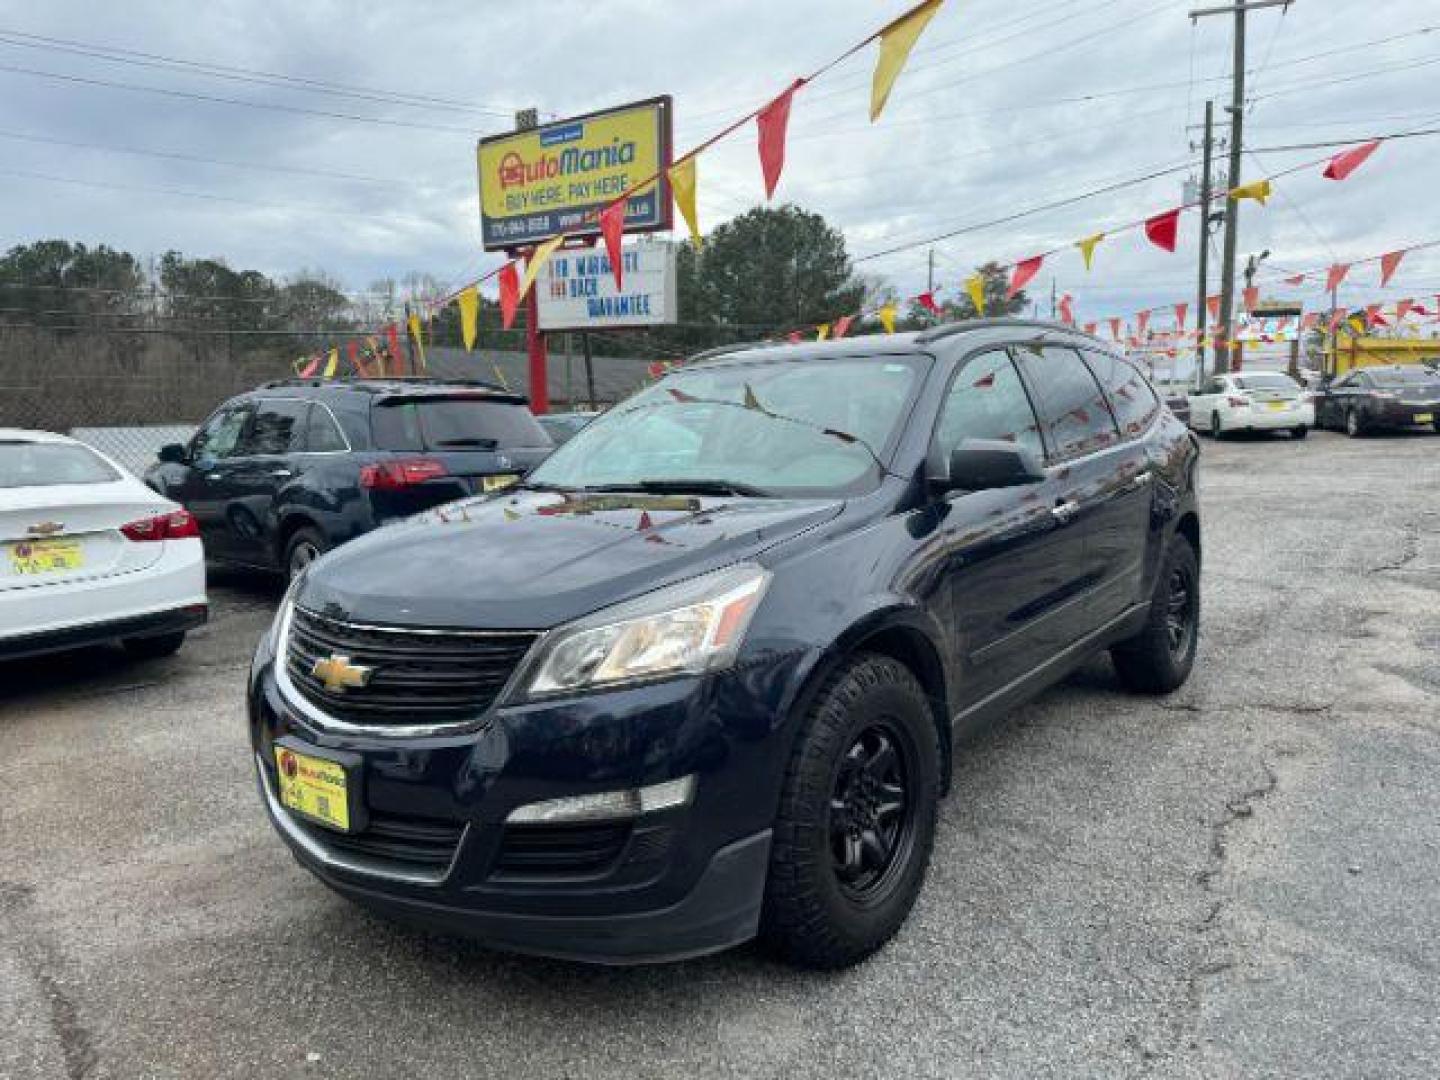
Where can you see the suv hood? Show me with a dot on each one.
(532, 560)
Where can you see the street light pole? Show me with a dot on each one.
(1200, 311)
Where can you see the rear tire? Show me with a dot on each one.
(1216, 431)
(303, 548)
(1159, 658)
(153, 648)
(1299, 432)
(857, 816)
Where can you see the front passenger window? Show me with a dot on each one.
(219, 437)
(988, 401)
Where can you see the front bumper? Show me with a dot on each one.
(667, 885)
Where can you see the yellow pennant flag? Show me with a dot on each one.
(538, 258)
(332, 364)
(419, 335)
(822, 331)
(469, 315)
(975, 288)
(887, 318)
(1087, 247)
(896, 41)
(1259, 190)
(682, 187)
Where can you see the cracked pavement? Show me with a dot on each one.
(1239, 880)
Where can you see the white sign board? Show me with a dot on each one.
(576, 290)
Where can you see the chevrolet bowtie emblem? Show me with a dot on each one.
(46, 528)
(339, 674)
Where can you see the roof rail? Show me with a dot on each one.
(726, 350)
(938, 333)
(378, 381)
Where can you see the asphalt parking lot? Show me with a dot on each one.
(1237, 880)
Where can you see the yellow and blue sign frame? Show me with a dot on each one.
(550, 179)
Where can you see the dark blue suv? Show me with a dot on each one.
(699, 676)
(280, 475)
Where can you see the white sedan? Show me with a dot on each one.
(1259, 401)
(90, 554)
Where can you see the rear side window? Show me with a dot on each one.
(1131, 397)
(458, 423)
(1074, 417)
(321, 434)
(987, 401)
(32, 464)
(278, 428)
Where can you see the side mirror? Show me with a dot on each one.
(172, 454)
(982, 464)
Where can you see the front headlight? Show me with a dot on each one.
(687, 628)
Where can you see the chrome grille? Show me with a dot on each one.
(417, 676)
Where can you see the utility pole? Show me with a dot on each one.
(1052, 300)
(535, 346)
(1236, 109)
(930, 273)
(1200, 297)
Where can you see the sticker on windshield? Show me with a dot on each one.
(895, 367)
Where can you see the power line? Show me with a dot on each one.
(115, 54)
(217, 100)
(172, 156)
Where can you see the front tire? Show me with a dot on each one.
(303, 548)
(1159, 658)
(857, 816)
(154, 647)
(1217, 432)
(1354, 427)
(1299, 432)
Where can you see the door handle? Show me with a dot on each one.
(281, 473)
(1064, 511)
(1141, 481)
(212, 476)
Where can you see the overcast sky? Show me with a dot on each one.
(987, 120)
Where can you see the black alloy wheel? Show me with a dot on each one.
(1180, 608)
(872, 819)
(1160, 657)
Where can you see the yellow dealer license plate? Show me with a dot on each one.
(495, 483)
(1278, 406)
(314, 787)
(1424, 417)
(45, 556)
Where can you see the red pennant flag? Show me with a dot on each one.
(1252, 297)
(644, 523)
(1162, 229)
(655, 370)
(1090, 328)
(1025, 270)
(392, 336)
(1310, 321)
(352, 350)
(309, 369)
(1402, 308)
(985, 382)
(1347, 161)
(1115, 329)
(793, 337)
(842, 326)
(1142, 323)
(1336, 319)
(509, 294)
(1335, 275)
(1388, 264)
(1298, 279)
(1373, 316)
(1067, 315)
(1212, 305)
(927, 301)
(612, 228)
(1180, 312)
(771, 122)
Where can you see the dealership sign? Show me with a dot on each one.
(576, 289)
(550, 179)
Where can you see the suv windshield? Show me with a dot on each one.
(461, 422)
(32, 464)
(799, 427)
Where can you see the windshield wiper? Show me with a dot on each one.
(703, 486)
(470, 440)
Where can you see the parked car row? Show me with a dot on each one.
(1369, 399)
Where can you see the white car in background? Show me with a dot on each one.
(1252, 401)
(89, 554)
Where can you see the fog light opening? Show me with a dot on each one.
(606, 805)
